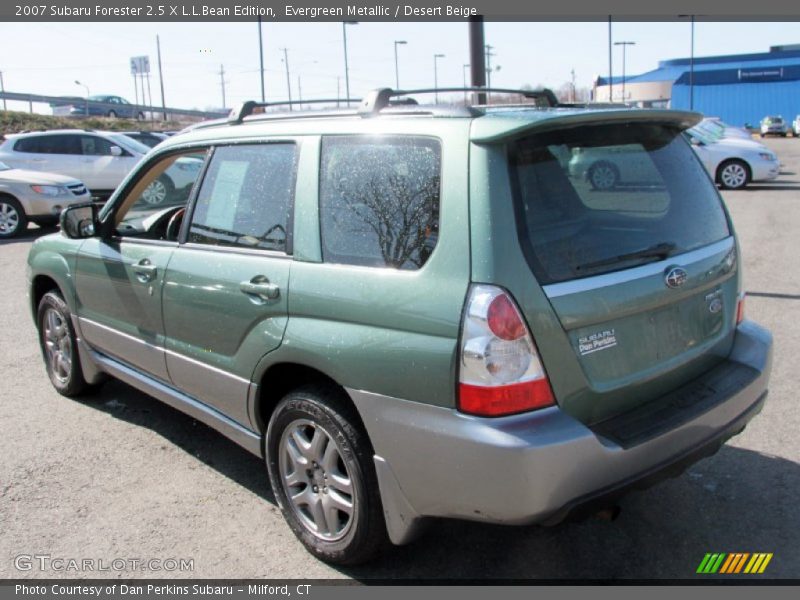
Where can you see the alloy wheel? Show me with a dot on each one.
(155, 193)
(603, 177)
(316, 480)
(734, 176)
(9, 219)
(58, 345)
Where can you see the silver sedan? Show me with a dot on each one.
(34, 196)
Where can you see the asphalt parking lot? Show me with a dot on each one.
(122, 476)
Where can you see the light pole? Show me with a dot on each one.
(261, 58)
(346, 66)
(691, 70)
(436, 58)
(87, 94)
(624, 46)
(465, 83)
(288, 79)
(396, 67)
(610, 64)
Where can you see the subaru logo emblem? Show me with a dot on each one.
(675, 277)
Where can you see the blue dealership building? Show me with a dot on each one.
(741, 89)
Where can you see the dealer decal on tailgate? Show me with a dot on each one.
(601, 340)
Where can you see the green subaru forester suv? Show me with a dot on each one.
(414, 311)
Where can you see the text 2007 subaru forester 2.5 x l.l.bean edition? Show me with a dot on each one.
(417, 311)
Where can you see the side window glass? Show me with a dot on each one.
(31, 145)
(156, 204)
(246, 197)
(65, 144)
(379, 200)
(95, 146)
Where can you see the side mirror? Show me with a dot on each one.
(695, 141)
(116, 151)
(79, 221)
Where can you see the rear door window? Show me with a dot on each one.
(379, 200)
(597, 199)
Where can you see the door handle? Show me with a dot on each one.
(260, 289)
(145, 270)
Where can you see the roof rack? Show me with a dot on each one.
(380, 98)
(246, 109)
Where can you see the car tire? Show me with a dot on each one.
(112, 114)
(783, 135)
(733, 174)
(761, 135)
(13, 219)
(159, 191)
(320, 465)
(603, 176)
(59, 347)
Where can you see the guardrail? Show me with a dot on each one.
(155, 111)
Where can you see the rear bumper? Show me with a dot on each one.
(539, 466)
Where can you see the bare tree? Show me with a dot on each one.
(400, 208)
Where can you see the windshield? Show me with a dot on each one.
(702, 135)
(129, 143)
(713, 128)
(593, 200)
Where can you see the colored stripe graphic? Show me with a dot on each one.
(711, 563)
(741, 562)
(731, 560)
(734, 562)
(758, 563)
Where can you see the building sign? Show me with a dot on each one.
(763, 74)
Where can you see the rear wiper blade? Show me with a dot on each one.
(659, 251)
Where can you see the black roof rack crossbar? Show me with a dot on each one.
(380, 98)
(246, 109)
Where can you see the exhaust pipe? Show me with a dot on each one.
(608, 514)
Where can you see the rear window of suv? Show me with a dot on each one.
(597, 199)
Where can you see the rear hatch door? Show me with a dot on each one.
(629, 239)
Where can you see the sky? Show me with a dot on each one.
(47, 58)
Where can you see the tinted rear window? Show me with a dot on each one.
(593, 200)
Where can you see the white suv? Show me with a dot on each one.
(100, 159)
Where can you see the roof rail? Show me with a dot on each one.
(246, 109)
(380, 98)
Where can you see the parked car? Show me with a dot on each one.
(151, 139)
(796, 126)
(36, 197)
(98, 106)
(440, 320)
(734, 163)
(774, 125)
(100, 159)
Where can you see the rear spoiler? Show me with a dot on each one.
(499, 127)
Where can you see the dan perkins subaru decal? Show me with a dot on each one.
(601, 340)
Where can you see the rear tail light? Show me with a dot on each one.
(740, 309)
(500, 370)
